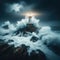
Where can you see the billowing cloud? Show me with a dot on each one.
(18, 8)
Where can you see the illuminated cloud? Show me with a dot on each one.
(14, 7)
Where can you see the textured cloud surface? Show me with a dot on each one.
(42, 35)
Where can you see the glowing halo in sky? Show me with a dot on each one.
(30, 13)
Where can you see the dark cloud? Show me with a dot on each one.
(50, 7)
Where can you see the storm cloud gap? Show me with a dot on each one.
(44, 35)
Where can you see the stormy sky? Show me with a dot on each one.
(12, 25)
(49, 8)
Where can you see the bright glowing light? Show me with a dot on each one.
(30, 14)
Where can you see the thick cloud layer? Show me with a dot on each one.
(44, 35)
